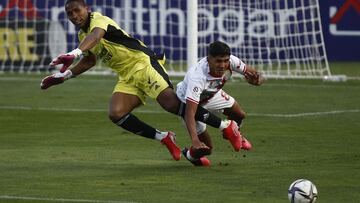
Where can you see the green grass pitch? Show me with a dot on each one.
(59, 146)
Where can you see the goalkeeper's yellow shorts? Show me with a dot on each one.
(149, 80)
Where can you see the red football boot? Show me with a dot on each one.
(232, 134)
(169, 142)
(245, 144)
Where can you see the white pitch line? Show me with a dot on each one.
(305, 114)
(7, 197)
(294, 115)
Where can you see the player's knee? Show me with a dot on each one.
(236, 115)
(170, 106)
(115, 115)
(168, 100)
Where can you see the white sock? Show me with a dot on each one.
(189, 156)
(160, 135)
(224, 124)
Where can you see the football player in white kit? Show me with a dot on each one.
(203, 85)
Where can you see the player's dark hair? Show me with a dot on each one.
(218, 48)
(82, 2)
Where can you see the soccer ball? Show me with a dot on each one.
(302, 191)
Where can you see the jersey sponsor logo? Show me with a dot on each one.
(196, 89)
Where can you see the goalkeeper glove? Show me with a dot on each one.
(55, 79)
(66, 59)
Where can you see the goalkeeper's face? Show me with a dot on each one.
(77, 13)
(218, 65)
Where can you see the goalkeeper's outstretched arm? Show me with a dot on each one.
(57, 78)
(85, 45)
(84, 64)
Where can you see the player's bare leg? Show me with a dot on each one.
(168, 100)
(121, 105)
(205, 138)
(237, 114)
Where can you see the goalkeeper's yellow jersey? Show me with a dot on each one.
(117, 49)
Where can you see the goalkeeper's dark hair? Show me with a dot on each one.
(218, 48)
(82, 2)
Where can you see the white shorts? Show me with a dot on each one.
(220, 101)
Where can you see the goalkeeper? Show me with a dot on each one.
(202, 87)
(141, 73)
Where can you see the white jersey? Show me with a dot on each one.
(199, 86)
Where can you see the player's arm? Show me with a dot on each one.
(190, 122)
(92, 39)
(252, 76)
(86, 44)
(67, 59)
(83, 65)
